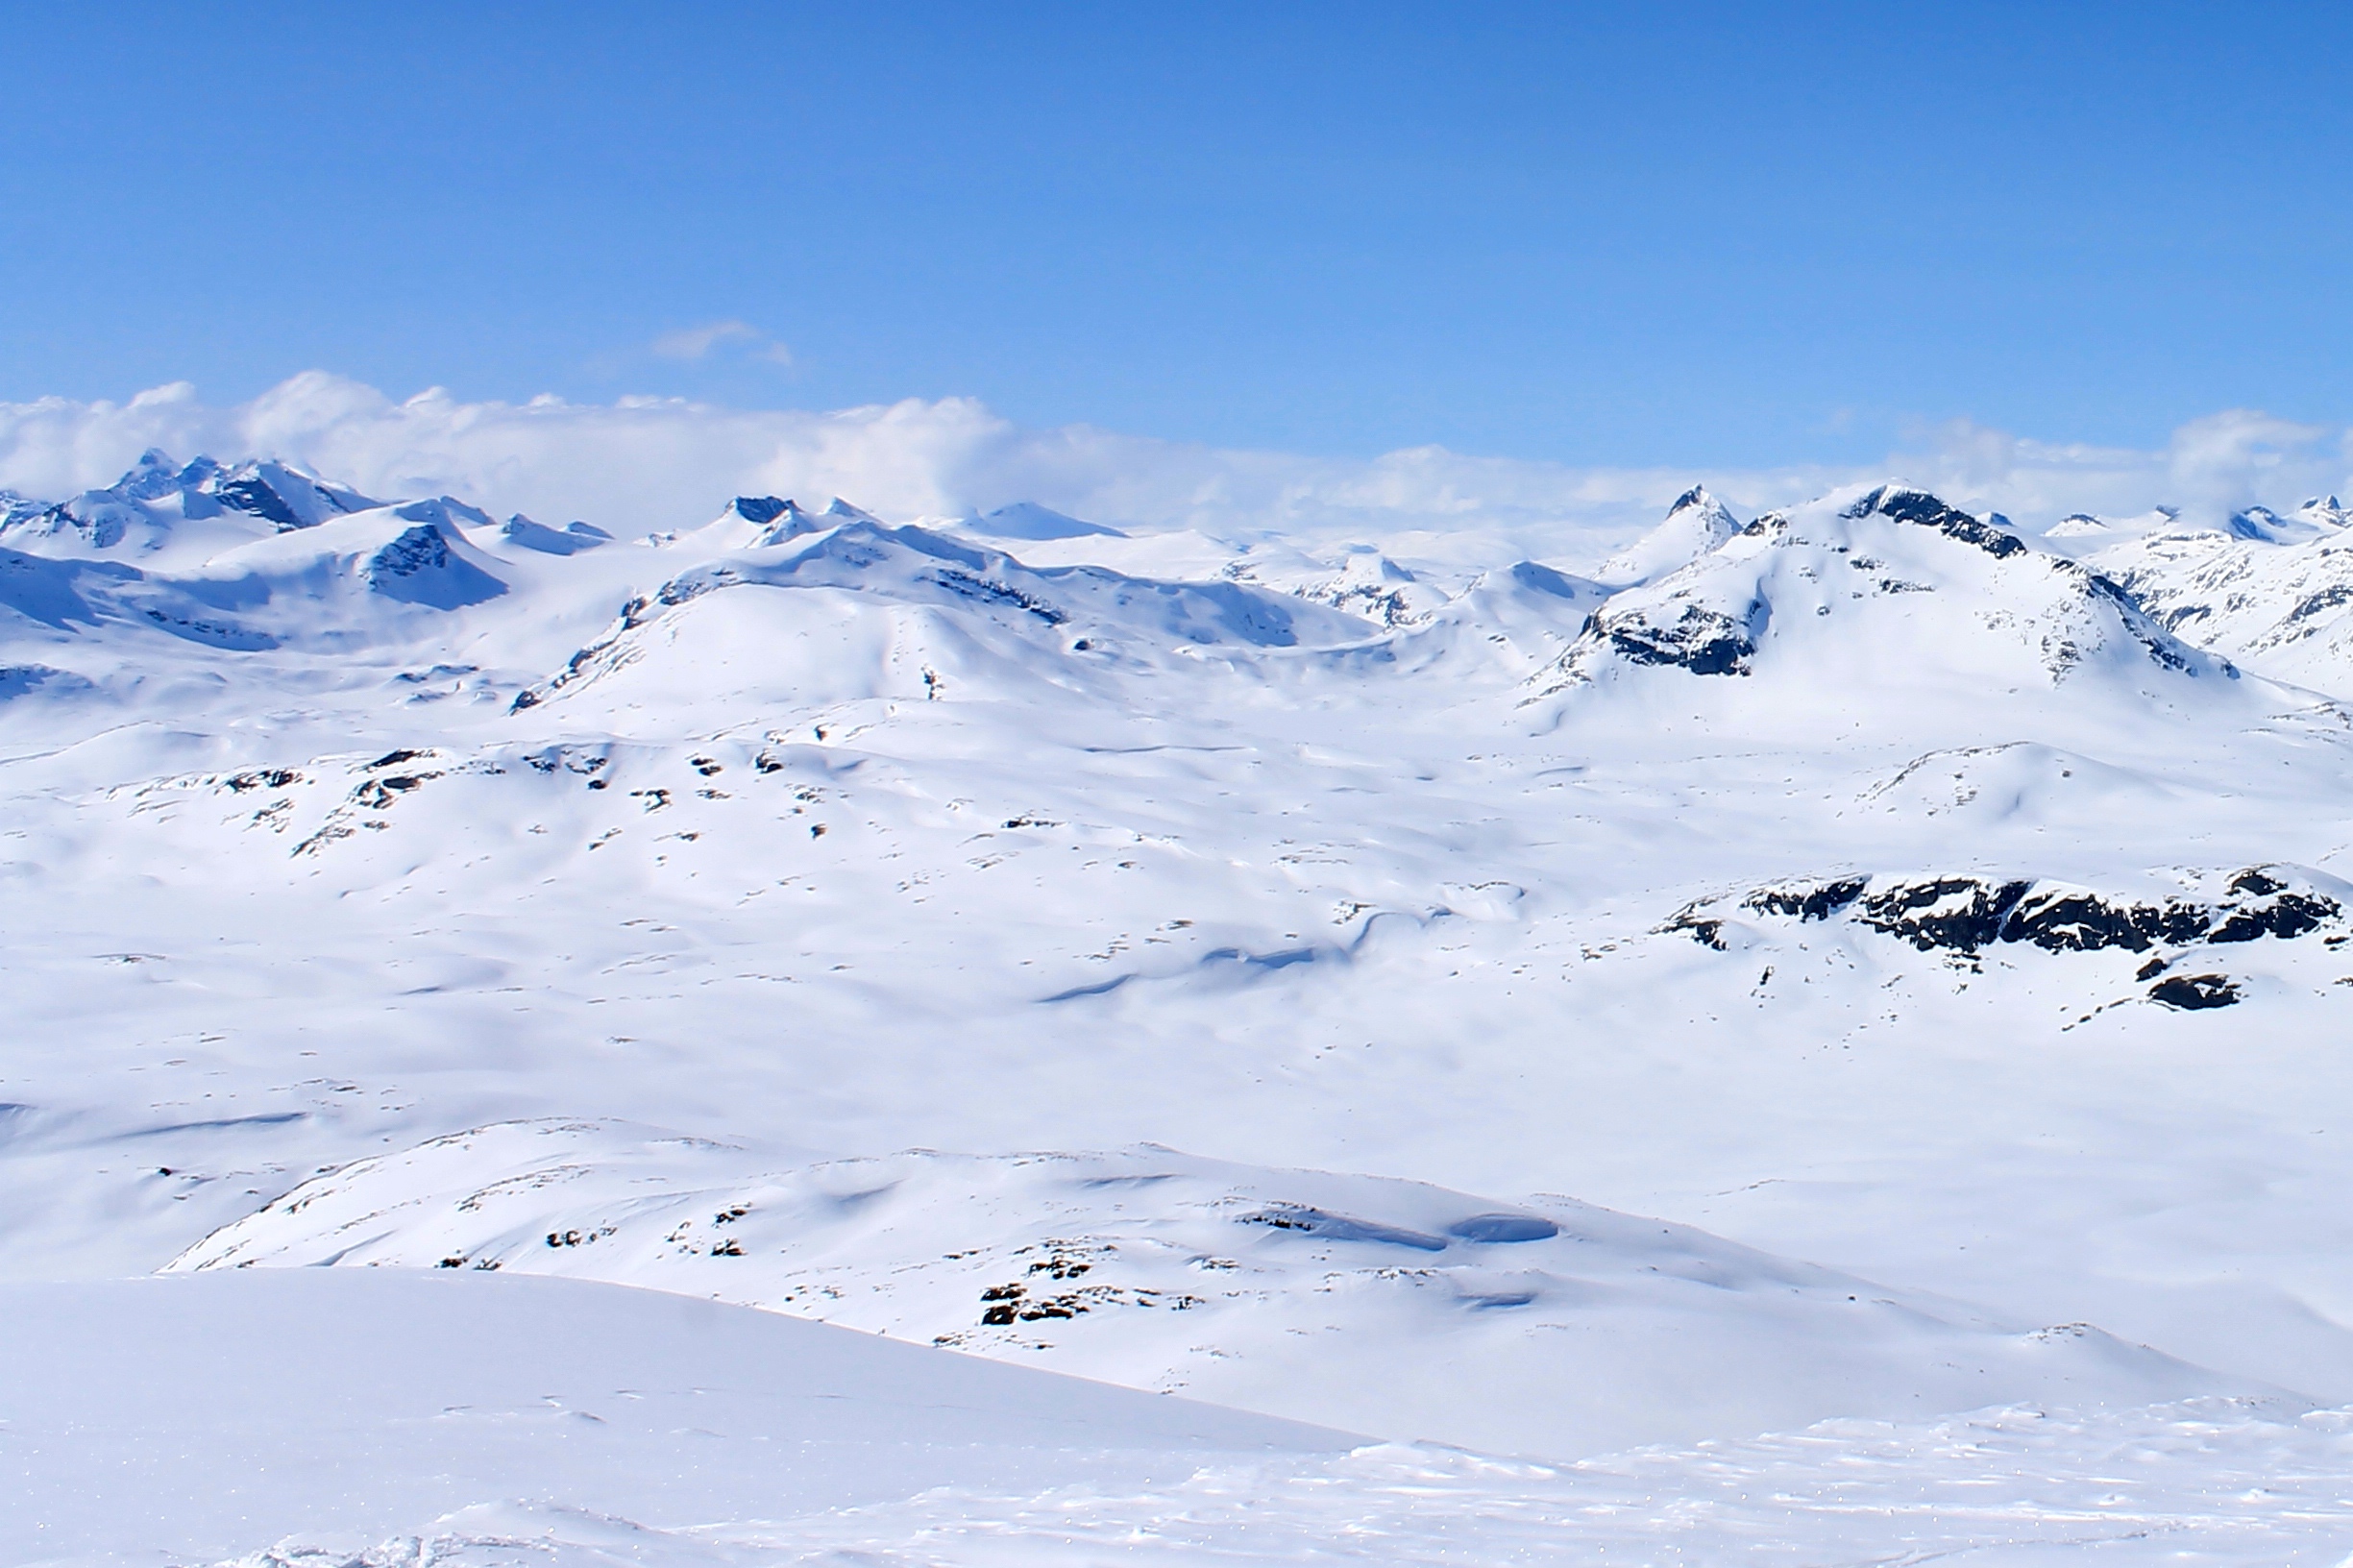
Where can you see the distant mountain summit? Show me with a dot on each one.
(1694, 524)
(143, 510)
(1027, 520)
(2274, 592)
(1870, 592)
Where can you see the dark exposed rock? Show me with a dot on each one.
(760, 509)
(2142, 628)
(2075, 921)
(1294, 1216)
(1705, 929)
(1918, 507)
(1966, 914)
(1701, 640)
(968, 586)
(2286, 915)
(257, 498)
(2327, 598)
(1960, 912)
(379, 792)
(420, 549)
(270, 778)
(2193, 992)
(1807, 900)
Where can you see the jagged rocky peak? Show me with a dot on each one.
(140, 510)
(157, 475)
(283, 494)
(1694, 524)
(2325, 512)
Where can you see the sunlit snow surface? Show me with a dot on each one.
(856, 919)
(354, 1416)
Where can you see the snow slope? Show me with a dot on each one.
(1877, 894)
(379, 1419)
(195, 1420)
(1376, 1305)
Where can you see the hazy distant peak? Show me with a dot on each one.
(1027, 520)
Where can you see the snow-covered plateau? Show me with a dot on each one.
(1806, 1038)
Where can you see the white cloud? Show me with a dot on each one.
(645, 463)
(697, 342)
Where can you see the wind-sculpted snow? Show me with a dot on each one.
(1384, 1307)
(2020, 974)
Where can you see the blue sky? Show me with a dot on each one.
(1625, 235)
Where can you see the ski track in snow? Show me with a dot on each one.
(1963, 914)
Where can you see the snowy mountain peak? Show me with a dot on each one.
(758, 510)
(150, 508)
(1890, 588)
(2314, 519)
(569, 540)
(758, 522)
(157, 475)
(1027, 520)
(1371, 585)
(1694, 524)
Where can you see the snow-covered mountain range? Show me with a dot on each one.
(1286, 976)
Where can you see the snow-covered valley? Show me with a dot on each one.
(1862, 965)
